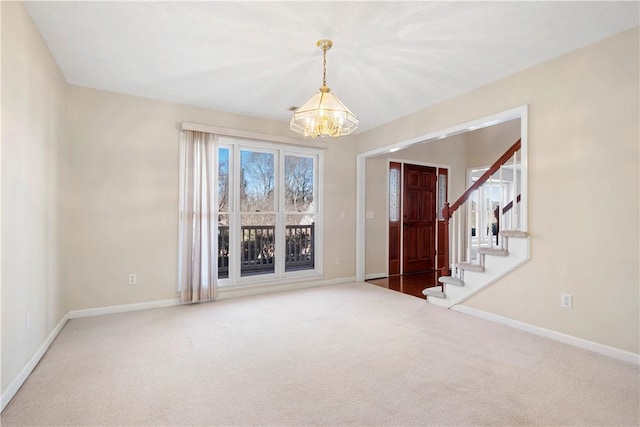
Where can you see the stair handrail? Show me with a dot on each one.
(448, 210)
(509, 205)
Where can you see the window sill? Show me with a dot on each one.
(269, 285)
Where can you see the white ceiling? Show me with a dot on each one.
(389, 59)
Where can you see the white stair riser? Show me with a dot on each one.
(448, 280)
(470, 267)
(495, 267)
(514, 233)
(493, 252)
(434, 292)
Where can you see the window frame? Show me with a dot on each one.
(282, 204)
(280, 151)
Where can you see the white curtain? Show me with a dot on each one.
(197, 260)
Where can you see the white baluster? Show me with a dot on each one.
(469, 226)
(513, 195)
(454, 247)
(499, 225)
(515, 222)
(481, 213)
(460, 219)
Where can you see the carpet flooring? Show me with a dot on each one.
(351, 354)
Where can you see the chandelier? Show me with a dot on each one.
(323, 114)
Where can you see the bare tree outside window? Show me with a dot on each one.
(299, 176)
(257, 180)
(223, 180)
(298, 179)
(255, 184)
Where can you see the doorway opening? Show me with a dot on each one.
(417, 195)
(378, 254)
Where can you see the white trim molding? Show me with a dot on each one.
(99, 311)
(28, 368)
(242, 291)
(595, 347)
(223, 293)
(315, 143)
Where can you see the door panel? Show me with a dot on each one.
(427, 206)
(419, 220)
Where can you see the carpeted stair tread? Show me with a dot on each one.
(435, 291)
(493, 251)
(450, 280)
(514, 233)
(470, 267)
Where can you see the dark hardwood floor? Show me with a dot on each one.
(410, 284)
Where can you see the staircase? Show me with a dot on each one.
(486, 239)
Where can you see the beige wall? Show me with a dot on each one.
(339, 193)
(583, 188)
(124, 196)
(376, 261)
(34, 161)
(485, 145)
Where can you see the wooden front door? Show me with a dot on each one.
(419, 218)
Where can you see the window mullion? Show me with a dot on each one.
(280, 217)
(318, 194)
(234, 215)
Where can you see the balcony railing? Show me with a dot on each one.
(257, 254)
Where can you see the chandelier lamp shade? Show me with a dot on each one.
(324, 114)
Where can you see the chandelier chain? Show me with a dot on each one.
(324, 66)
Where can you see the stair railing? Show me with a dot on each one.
(491, 203)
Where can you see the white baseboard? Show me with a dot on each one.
(222, 294)
(265, 289)
(375, 276)
(605, 350)
(77, 314)
(26, 371)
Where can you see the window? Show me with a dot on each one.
(257, 212)
(224, 197)
(268, 211)
(299, 202)
(485, 216)
(394, 194)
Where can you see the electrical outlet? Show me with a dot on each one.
(133, 279)
(27, 321)
(337, 260)
(566, 300)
